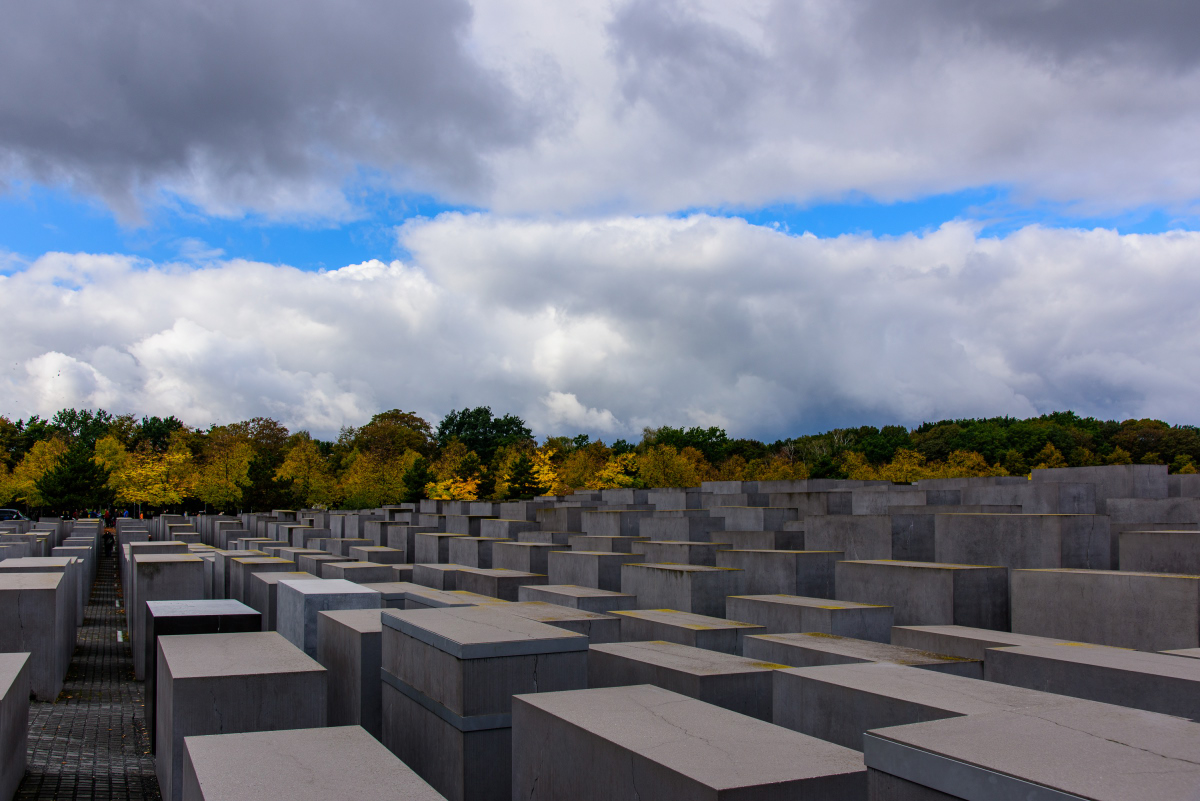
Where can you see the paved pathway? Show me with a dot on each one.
(91, 743)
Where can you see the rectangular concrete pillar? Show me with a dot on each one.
(781, 614)
(929, 593)
(348, 645)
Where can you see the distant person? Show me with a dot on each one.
(109, 541)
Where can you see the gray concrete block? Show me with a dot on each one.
(1069, 752)
(598, 628)
(449, 676)
(613, 523)
(684, 552)
(647, 742)
(377, 554)
(782, 540)
(166, 618)
(338, 762)
(312, 562)
(1024, 541)
(598, 569)
(674, 529)
(587, 542)
(781, 614)
(14, 720)
(299, 602)
(839, 703)
(815, 649)
(226, 683)
(348, 645)
(687, 588)
(1108, 607)
(357, 572)
(588, 599)
(241, 568)
(433, 547)
(529, 557)
(685, 628)
(473, 551)
(1154, 682)
(1160, 552)
(505, 529)
(559, 538)
(437, 576)
(733, 682)
(862, 537)
(754, 518)
(262, 594)
(765, 572)
(342, 547)
(497, 582)
(963, 641)
(929, 593)
(562, 518)
(159, 577)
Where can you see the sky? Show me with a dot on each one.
(773, 217)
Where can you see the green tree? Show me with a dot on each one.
(481, 432)
(522, 480)
(75, 482)
(415, 479)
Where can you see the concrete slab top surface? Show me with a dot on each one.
(1113, 754)
(922, 565)
(542, 612)
(576, 591)
(289, 575)
(986, 638)
(810, 603)
(10, 665)
(364, 621)
(198, 608)
(480, 632)
(327, 587)
(500, 572)
(13, 580)
(676, 567)
(164, 558)
(1115, 574)
(1191, 653)
(1114, 659)
(772, 550)
(303, 765)
(39, 561)
(251, 653)
(685, 658)
(262, 560)
(687, 620)
(956, 694)
(860, 649)
(714, 746)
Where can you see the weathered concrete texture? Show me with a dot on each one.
(528, 557)
(1146, 611)
(685, 628)
(437, 576)
(673, 529)
(586, 542)
(298, 765)
(588, 599)
(498, 582)
(263, 594)
(241, 568)
(348, 645)
(598, 628)
(433, 547)
(225, 683)
(807, 573)
(647, 742)
(377, 554)
(1154, 682)
(613, 523)
(311, 562)
(403, 595)
(929, 593)
(165, 618)
(473, 551)
(160, 577)
(14, 720)
(299, 602)
(781, 614)
(754, 518)
(357, 572)
(1080, 751)
(449, 676)
(1161, 552)
(35, 618)
(733, 682)
(815, 649)
(761, 540)
(963, 641)
(683, 552)
(839, 703)
(1024, 541)
(866, 537)
(342, 547)
(687, 588)
(598, 569)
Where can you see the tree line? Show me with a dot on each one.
(85, 459)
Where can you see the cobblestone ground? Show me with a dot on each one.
(91, 743)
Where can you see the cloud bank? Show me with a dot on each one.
(611, 324)
(597, 107)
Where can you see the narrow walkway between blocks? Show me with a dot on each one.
(91, 743)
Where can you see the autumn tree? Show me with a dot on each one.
(664, 466)
(224, 474)
(40, 459)
(415, 479)
(76, 481)
(312, 482)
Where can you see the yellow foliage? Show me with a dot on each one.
(374, 480)
(1119, 456)
(6, 485)
(775, 468)
(732, 469)
(225, 472)
(41, 457)
(312, 482)
(453, 489)
(154, 479)
(1049, 456)
(856, 467)
(617, 473)
(546, 473)
(663, 466)
(908, 466)
(1188, 469)
(581, 467)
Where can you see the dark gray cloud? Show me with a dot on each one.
(267, 105)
